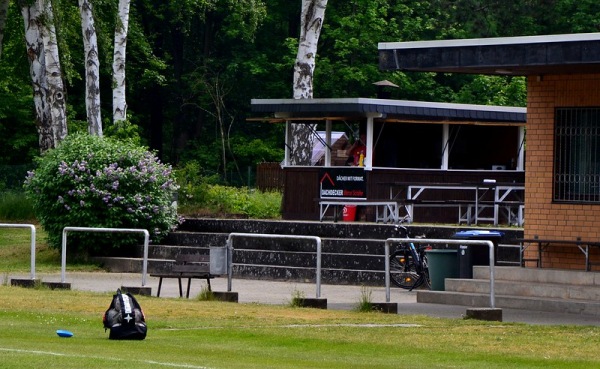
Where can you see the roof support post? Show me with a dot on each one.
(445, 146)
(328, 141)
(288, 142)
(521, 153)
(369, 143)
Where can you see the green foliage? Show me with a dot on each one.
(252, 203)
(15, 206)
(124, 131)
(199, 194)
(365, 303)
(206, 295)
(297, 297)
(90, 181)
(493, 90)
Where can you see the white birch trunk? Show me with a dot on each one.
(92, 69)
(312, 16)
(55, 96)
(3, 16)
(37, 71)
(119, 101)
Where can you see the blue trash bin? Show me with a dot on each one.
(470, 255)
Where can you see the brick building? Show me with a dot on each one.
(562, 177)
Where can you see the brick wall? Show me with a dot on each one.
(543, 217)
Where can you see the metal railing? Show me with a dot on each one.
(278, 236)
(105, 230)
(32, 228)
(389, 241)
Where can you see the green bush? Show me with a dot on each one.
(90, 181)
(251, 203)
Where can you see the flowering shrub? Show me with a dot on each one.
(90, 181)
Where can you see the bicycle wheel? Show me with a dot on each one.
(402, 270)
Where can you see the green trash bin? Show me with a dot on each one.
(442, 264)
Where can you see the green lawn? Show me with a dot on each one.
(15, 253)
(199, 334)
(207, 334)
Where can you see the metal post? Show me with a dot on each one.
(490, 244)
(106, 230)
(254, 235)
(32, 243)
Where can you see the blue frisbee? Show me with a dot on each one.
(64, 333)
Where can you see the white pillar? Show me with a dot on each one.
(445, 146)
(288, 138)
(521, 153)
(328, 143)
(369, 157)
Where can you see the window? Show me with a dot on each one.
(577, 155)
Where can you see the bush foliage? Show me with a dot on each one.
(201, 195)
(90, 181)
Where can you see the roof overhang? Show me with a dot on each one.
(386, 110)
(520, 56)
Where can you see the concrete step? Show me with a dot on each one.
(510, 302)
(539, 275)
(525, 289)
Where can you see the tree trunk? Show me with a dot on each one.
(37, 70)
(92, 69)
(312, 16)
(3, 16)
(55, 96)
(119, 101)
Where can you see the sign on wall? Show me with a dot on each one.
(343, 183)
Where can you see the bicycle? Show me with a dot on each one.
(408, 265)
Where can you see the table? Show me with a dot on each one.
(505, 195)
(583, 246)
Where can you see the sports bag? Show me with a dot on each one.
(125, 318)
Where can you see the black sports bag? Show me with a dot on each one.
(125, 318)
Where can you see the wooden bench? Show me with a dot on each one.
(190, 266)
(583, 246)
(390, 213)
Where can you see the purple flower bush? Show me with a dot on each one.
(91, 181)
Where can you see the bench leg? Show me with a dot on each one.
(187, 293)
(180, 289)
(159, 286)
(208, 283)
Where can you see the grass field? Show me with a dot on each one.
(207, 334)
(187, 333)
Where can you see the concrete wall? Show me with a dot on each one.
(543, 217)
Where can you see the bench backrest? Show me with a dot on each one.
(191, 263)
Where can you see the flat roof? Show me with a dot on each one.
(389, 110)
(526, 55)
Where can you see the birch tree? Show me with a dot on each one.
(3, 15)
(311, 22)
(55, 96)
(92, 69)
(37, 70)
(120, 44)
(45, 71)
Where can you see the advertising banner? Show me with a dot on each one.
(343, 183)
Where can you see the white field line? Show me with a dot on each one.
(150, 362)
(370, 325)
